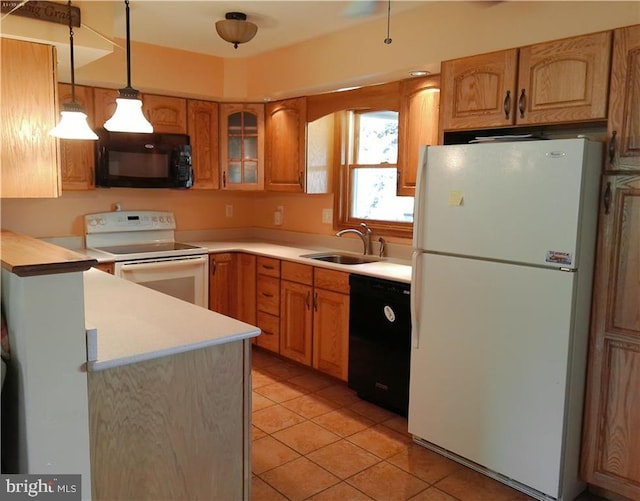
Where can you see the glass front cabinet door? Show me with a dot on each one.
(242, 146)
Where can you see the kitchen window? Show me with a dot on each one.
(369, 174)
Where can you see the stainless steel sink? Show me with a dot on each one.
(339, 258)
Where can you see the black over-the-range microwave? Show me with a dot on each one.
(139, 160)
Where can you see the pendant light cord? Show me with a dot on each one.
(73, 77)
(126, 2)
(388, 39)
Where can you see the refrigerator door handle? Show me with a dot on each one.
(416, 293)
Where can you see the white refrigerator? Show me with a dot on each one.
(504, 242)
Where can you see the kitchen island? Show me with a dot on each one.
(169, 395)
(153, 403)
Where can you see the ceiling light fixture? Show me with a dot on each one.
(73, 122)
(128, 116)
(235, 28)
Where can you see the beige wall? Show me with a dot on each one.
(421, 37)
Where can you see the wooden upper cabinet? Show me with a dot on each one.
(202, 126)
(104, 105)
(554, 82)
(30, 156)
(611, 444)
(242, 146)
(565, 80)
(624, 101)
(478, 91)
(419, 109)
(285, 145)
(167, 114)
(77, 158)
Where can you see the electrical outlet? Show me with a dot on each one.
(327, 216)
(228, 210)
(277, 218)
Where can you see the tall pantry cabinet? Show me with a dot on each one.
(611, 441)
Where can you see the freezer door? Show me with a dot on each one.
(518, 201)
(489, 378)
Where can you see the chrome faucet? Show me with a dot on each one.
(365, 236)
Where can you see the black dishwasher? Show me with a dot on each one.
(380, 341)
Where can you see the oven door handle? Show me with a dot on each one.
(154, 264)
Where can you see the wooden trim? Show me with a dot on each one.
(384, 96)
(26, 256)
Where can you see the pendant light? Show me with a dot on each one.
(128, 116)
(73, 122)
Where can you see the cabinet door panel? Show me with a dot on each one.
(30, 156)
(474, 90)
(285, 145)
(77, 158)
(246, 288)
(418, 126)
(222, 277)
(203, 133)
(564, 80)
(296, 322)
(166, 114)
(104, 105)
(611, 446)
(624, 101)
(331, 333)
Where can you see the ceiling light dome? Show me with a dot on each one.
(235, 28)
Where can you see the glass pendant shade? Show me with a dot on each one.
(73, 125)
(73, 120)
(128, 117)
(236, 29)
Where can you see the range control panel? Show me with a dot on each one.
(117, 221)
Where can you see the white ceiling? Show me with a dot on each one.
(190, 25)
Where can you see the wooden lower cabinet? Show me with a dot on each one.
(268, 303)
(296, 314)
(232, 285)
(222, 279)
(246, 288)
(314, 323)
(611, 440)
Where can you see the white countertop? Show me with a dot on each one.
(385, 268)
(135, 323)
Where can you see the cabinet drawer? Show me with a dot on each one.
(270, 336)
(332, 280)
(296, 272)
(268, 266)
(269, 295)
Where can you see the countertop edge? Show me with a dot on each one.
(101, 365)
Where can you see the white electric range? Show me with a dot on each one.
(143, 247)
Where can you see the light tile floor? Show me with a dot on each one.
(313, 438)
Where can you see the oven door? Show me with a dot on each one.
(182, 277)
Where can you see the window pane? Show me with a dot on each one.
(377, 138)
(374, 196)
(235, 146)
(250, 172)
(234, 121)
(235, 172)
(251, 147)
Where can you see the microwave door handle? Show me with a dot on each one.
(154, 265)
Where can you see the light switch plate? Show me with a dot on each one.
(327, 216)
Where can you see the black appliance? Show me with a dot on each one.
(139, 160)
(380, 341)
